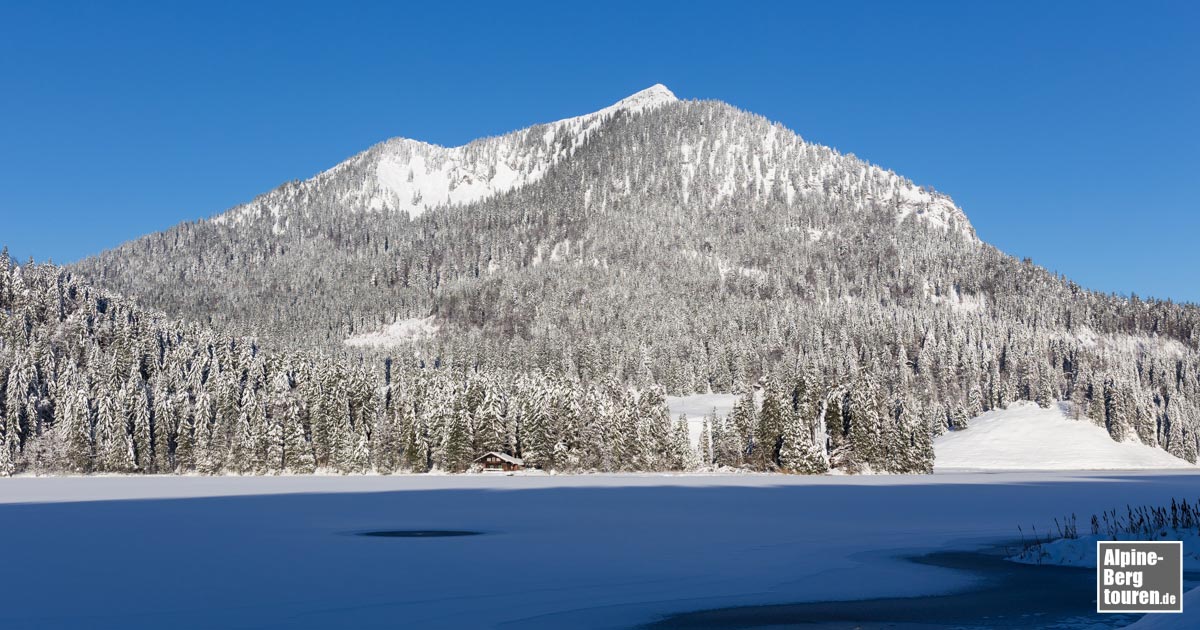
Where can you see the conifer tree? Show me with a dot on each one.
(743, 423)
(799, 451)
(113, 448)
(458, 444)
(683, 455)
(655, 421)
(865, 444)
(704, 446)
(769, 435)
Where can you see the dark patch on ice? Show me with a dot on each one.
(1010, 595)
(419, 533)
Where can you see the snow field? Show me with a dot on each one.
(1026, 437)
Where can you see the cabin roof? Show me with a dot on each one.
(508, 458)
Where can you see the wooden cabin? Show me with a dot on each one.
(499, 462)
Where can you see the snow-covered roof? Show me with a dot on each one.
(508, 458)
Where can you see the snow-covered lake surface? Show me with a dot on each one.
(1026, 437)
(589, 551)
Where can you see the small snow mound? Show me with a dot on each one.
(1188, 619)
(1081, 551)
(1026, 437)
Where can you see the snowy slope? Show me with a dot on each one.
(410, 176)
(1027, 437)
(402, 175)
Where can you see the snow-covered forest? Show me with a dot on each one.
(94, 384)
(596, 265)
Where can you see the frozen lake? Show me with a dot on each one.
(590, 551)
(1008, 596)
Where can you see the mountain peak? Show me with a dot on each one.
(653, 96)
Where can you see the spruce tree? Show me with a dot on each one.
(744, 422)
(769, 435)
(704, 445)
(682, 455)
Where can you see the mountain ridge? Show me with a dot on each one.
(413, 176)
(404, 180)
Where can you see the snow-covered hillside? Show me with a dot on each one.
(404, 175)
(1026, 437)
(685, 244)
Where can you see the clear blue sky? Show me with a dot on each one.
(1067, 131)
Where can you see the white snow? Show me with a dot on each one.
(696, 406)
(1189, 619)
(1027, 437)
(410, 176)
(757, 275)
(401, 332)
(955, 300)
(1081, 551)
(1135, 345)
(765, 161)
(590, 551)
(930, 206)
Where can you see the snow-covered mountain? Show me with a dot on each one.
(410, 176)
(684, 244)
